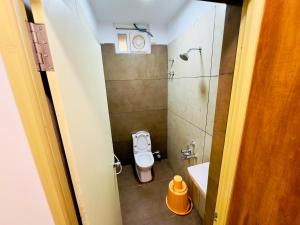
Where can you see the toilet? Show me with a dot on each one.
(143, 156)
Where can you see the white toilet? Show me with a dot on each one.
(143, 156)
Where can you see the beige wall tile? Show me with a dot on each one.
(222, 103)
(188, 97)
(135, 66)
(213, 91)
(207, 148)
(136, 95)
(217, 154)
(180, 134)
(219, 132)
(231, 31)
(218, 38)
(192, 93)
(191, 100)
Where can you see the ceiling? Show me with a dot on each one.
(139, 11)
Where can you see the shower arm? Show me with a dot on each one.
(192, 49)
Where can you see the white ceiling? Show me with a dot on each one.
(139, 11)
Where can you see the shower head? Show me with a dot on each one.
(185, 56)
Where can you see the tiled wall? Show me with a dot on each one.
(137, 97)
(230, 39)
(193, 90)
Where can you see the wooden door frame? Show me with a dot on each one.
(251, 19)
(34, 109)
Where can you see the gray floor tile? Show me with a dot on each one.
(127, 178)
(144, 204)
(162, 171)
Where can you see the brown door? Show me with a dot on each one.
(267, 185)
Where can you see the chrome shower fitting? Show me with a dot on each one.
(171, 61)
(189, 152)
(185, 56)
(157, 155)
(171, 72)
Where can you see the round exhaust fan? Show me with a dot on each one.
(140, 42)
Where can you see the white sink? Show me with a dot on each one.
(199, 174)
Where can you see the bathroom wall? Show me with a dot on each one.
(230, 39)
(137, 97)
(193, 90)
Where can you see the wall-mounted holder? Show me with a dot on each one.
(171, 75)
(117, 164)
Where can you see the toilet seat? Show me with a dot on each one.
(141, 142)
(144, 159)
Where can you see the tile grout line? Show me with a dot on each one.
(177, 78)
(158, 78)
(211, 65)
(137, 111)
(148, 79)
(176, 114)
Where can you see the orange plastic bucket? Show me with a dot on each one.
(177, 199)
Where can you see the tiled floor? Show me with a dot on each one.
(144, 204)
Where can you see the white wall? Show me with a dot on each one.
(106, 33)
(186, 17)
(89, 16)
(79, 96)
(22, 198)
